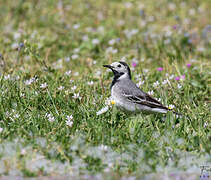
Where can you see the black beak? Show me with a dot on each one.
(108, 66)
(112, 68)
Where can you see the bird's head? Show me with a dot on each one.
(120, 69)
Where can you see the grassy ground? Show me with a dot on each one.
(53, 84)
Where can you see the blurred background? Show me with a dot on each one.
(55, 119)
(88, 29)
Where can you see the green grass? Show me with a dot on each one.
(41, 41)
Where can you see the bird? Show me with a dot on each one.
(128, 96)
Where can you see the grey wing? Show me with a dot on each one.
(132, 93)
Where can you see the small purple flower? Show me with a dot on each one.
(175, 27)
(118, 39)
(21, 45)
(183, 77)
(142, 13)
(134, 64)
(177, 78)
(188, 65)
(160, 69)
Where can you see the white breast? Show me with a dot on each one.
(120, 101)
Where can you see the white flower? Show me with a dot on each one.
(67, 59)
(98, 73)
(1, 129)
(90, 83)
(16, 35)
(192, 12)
(112, 42)
(103, 110)
(17, 77)
(201, 49)
(6, 77)
(100, 29)
(138, 77)
(76, 26)
(130, 33)
(168, 33)
(14, 45)
(30, 81)
(67, 92)
(205, 124)
(74, 88)
(171, 6)
(167, 41)
(85, 38)
(68, 73)
(171, 77)
(23, 151)
(22, 94)
(69, 118)
(75, 56)
(71, 80)
(76, 50)
(100, 16)
(171, 106)
(150, 92)
(50, 117)
(145, 70)
(179, 86)
(164, 82)
(142, 59)
(134, 31)
(109, 101)
(123, 59)
(140, 83)
(103, 147)
(89, 29)
(111, 50)
(128, 5)
(44, 85)
(94, 62)
(69, 121)
(76, 73)
(76, 96)
(60, 88)
(151, 19)
(16, 115)
(193, 60)
(95, 41)
(120, 22)
(186, 21)
(155, 84)
(143, 23)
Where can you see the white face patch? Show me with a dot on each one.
(119, 67)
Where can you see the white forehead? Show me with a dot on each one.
(114, 64)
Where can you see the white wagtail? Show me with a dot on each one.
(128, 96)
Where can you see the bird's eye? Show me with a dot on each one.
(119, 66)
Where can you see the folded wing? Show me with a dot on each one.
(132, 93)
(145, 100)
